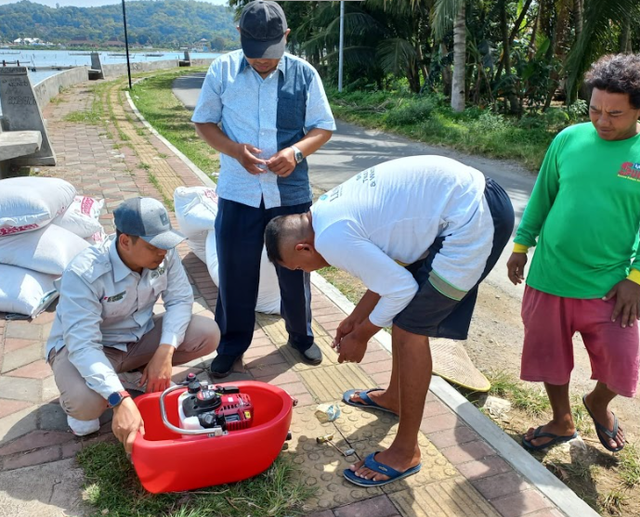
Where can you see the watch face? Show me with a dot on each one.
(114, 399)
(298, 156)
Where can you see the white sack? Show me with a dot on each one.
(25, 292)
(28, 203)
(269, 289)
(48, 250)
(196, 209)
(81, 217)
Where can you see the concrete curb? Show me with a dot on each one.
(563, 497)
(194, 168)
(509, 450)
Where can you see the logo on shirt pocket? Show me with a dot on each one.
(115, 297)
(630, 170)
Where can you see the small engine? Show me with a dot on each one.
(219, 408)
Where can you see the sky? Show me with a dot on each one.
(90, 3)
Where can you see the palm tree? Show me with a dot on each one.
(599, 16)
(446, 13)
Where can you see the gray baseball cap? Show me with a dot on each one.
(148, 219)
(262, 30)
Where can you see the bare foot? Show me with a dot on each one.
(560, 429)
(605, 418)
(380, 397)
(398, 461)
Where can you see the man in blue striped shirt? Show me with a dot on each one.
(265, 111)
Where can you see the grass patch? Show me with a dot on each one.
(112, 487)
(428, 118)
(533, 402)
(613, 501)
(629, 465)
(155, 100)
(348, 285)
(84, 117)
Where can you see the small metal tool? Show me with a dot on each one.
(328, 438)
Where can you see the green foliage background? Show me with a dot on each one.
(163, 23)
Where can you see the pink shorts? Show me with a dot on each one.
(549, 325)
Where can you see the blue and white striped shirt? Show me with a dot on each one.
(270, 114)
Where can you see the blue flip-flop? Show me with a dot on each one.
(555, 439)
(602, 429)
(368, 402)
(381, 468)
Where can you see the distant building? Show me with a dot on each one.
(31, 41)
(81, 42)
(114, 43)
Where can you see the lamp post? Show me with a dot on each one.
(126, 42)
(341, 48)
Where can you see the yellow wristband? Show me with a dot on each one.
(634, 276)
(520, 248)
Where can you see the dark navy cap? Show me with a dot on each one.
(262, 30)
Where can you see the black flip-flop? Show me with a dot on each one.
(555, 439)
(602, 429)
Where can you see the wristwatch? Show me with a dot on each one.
(116, 397)
(297, 154)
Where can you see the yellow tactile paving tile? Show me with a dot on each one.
(448, 498)
(328, 383)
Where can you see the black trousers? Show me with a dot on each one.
(239, 241)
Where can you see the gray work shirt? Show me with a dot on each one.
(104, 303)
(271, 114)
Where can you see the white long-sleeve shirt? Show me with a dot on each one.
(389, 215)
(103, 303)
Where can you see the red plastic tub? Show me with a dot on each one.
(167, 461)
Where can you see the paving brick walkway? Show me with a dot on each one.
(461, 475)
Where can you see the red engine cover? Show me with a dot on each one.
(237, 410)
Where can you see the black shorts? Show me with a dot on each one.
(431, 313)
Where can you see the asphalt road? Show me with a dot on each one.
(353, 149)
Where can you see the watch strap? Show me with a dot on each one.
(297, 154)
(117, 397)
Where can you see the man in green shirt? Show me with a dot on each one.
(584, 213)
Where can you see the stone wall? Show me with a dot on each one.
(51, 86)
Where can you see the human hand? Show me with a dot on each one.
(515, 267)
(352, 348)
(157, 374)
(126, 422)
(627, 295)
(282, 163)
(346, 326)
(247, 155)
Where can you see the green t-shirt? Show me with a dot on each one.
(585, 212)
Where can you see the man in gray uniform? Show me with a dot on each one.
(105, 324)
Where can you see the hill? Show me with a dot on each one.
(163, 23)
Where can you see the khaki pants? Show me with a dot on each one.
(81, 402)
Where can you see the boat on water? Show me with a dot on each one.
(153, 55)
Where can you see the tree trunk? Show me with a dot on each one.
(514, 31)
(625, 37)
(578, 11)
(458, 96)
(446, 71)
(534, 33)
(423, 67)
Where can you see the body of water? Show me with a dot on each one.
(48, 58)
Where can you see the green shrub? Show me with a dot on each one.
(412, 112)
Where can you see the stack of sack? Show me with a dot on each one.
(43, 226)
(196, 209)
